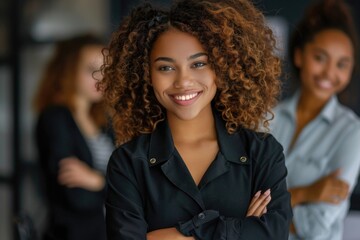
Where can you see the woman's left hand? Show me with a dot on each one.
(258, 204)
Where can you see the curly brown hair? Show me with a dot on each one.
(240, 47)
(58, 83)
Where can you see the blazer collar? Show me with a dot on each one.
(232, 146)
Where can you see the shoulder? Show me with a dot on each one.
(347, 114)
(55, 113)
(346, 121)
(134, 150)
(284, 104)
(283, 110)
(261, 148)
(260, 143)
(257, 138)
(55, 120)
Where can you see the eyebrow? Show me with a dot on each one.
(167, 59)
(197, 55)
(343, 58)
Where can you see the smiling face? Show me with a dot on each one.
(182, 79)
(325, 64)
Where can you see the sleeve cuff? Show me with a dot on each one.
(187, 228)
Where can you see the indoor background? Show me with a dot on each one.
(28, 29)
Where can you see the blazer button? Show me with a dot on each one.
(152, 160)
(201, 216)
(243, 159)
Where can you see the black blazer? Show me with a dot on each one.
(149, 187)
(74, 213)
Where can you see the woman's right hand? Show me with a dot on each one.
(74, 173)
(258, 204)
(329, 189)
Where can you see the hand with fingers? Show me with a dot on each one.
(258, 204)
(75, 173)
(257, 207)
(328, 189)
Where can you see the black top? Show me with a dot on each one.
(150, 187)
(74, 213)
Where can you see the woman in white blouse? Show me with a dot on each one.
(320, 136)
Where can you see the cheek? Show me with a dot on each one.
(311, 69)
(314, 67)
(345, 78)
(87, 83)
(159, 87)
(160, 82)
(210, 79)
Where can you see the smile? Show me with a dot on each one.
(186, 97)
(324, 84)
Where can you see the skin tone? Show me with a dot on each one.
(184, 83)
(73, 172)
(326, 64)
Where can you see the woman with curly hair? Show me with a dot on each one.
(190, 88)
(320, 136)
(73, 140)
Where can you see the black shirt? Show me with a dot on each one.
(150, 187)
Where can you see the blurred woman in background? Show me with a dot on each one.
(73, 140)
(320, 136)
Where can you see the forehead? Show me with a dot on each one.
(176, 44)
(334, 41)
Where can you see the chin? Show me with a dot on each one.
(97, 99)
(323, 95)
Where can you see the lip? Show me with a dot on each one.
(324, 84)
(181, 100)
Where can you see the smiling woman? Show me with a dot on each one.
(189, 96)
(319, 135)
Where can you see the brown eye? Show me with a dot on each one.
(199, 64)
(343, 65)
(320, 57)
(166, 68)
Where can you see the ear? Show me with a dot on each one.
(298, 57)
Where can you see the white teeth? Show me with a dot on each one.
(185, 97)
(325, 84)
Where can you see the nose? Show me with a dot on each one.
(330, 70)
(184, 79)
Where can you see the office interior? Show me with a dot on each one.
(28, 29)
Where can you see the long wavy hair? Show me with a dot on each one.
(240, 47)
(58, 82)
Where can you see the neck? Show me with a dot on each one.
(195, 130)
(82, 107)
(310, 105)
(83, 119)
